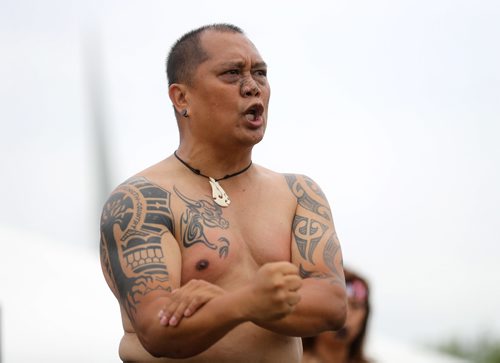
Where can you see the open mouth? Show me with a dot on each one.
(254, 112)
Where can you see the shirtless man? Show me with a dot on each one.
(213, 258)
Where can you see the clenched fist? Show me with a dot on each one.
(274, 292)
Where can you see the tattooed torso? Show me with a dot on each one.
(224, 246)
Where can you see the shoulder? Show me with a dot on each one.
(289, 178)
(160, 173)
(298, 184)
(140, 186)
(152, 180)
(138, 202)
(301, 184)
(309, 195)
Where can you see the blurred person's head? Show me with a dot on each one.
(347, 344)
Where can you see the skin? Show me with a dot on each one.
(334, 348)
(212, 284)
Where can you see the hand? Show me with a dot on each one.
(274, 291)
(184, 302)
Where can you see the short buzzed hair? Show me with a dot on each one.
(187, 53)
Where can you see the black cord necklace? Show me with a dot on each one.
(219, 195)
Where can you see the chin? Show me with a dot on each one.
(256, 140)
(253, 139)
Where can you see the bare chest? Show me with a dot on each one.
(226, 246)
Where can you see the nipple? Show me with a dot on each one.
(202, 265)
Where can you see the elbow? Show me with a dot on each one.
(163, 345)
(166, 350)
(152, 344)
(156, 350)
(339, 310)
(153, 347)
(339, 318)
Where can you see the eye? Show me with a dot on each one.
(231, 75)
(261, 72)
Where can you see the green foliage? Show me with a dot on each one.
(484, 349)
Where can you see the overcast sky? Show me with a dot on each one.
(393, 107)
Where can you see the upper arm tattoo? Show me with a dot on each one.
(308, 233)
(134, 218)
(309, 195)
(313, 227)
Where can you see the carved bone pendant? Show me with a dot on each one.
(219, 195)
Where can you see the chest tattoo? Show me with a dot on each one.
(198, 216)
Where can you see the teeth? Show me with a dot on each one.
(250, 117)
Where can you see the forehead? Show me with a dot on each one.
(228, 46)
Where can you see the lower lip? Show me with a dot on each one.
(258, 122)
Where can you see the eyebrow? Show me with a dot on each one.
(261, 64)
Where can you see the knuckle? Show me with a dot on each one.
(280, 296)
(278, 283)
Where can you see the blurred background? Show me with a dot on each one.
(393, 107)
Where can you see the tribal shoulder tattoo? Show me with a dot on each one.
(313, 231)
(134, 218)
(133, 221)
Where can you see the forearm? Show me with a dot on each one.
(193, 334)
(322, 307)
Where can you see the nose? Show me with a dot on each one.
(249, 88)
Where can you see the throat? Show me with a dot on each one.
(219, 195)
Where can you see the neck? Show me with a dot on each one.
(215, 163)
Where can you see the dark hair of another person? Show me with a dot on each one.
(356, 353)
(356, 348)
(187, 53)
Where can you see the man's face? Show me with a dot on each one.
(229, 93)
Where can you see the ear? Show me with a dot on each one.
(178, 95)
